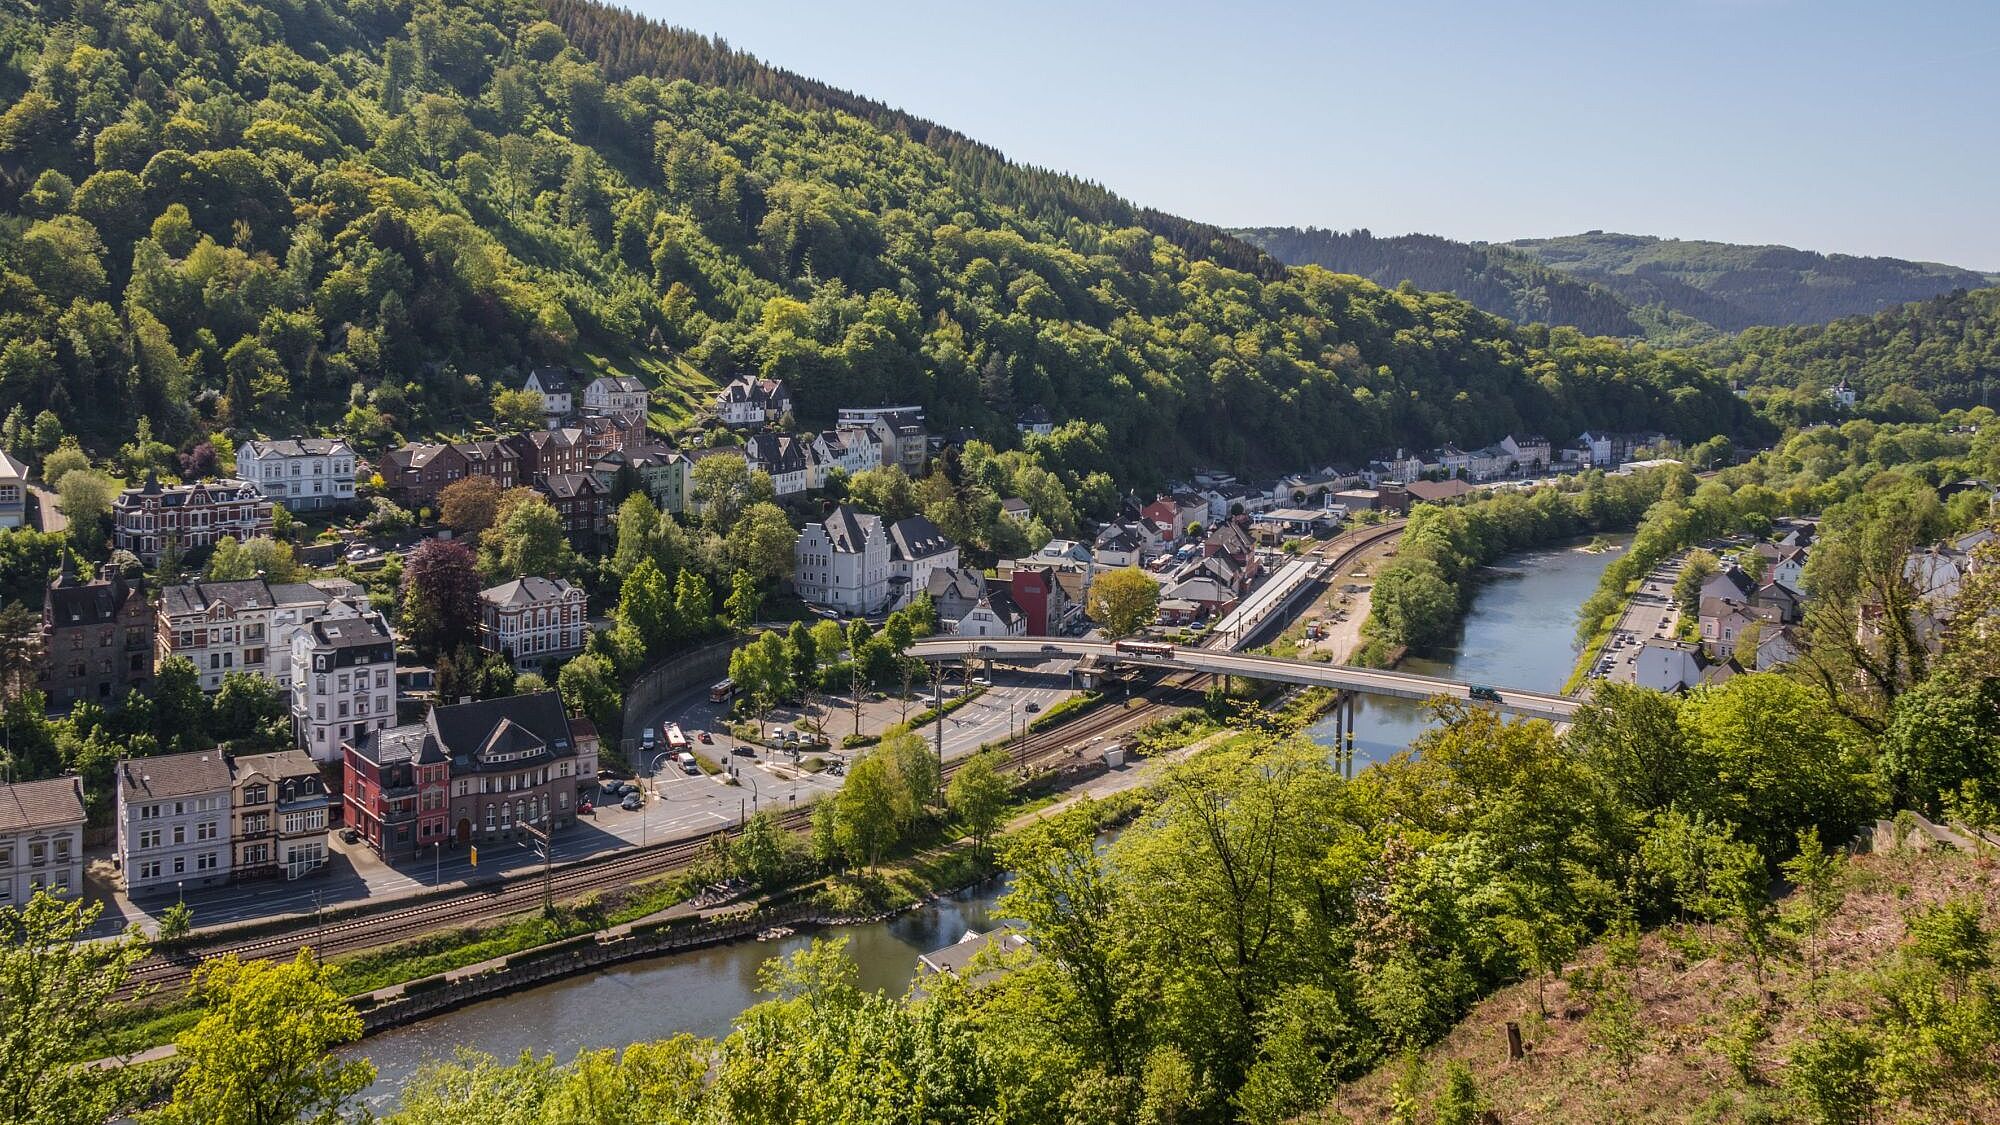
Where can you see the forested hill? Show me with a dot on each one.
(1666, 291)
(1946, 349)
(1736, 287)
(1506, 284)
(364, 215)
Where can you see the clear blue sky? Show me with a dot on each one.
(1843, 125)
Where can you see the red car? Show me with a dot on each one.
(585, 808)
(704, 736)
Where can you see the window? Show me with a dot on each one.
(205, 861)
(256, 853)
(180, 865)
(180, 833)
(38, 853)
(150, 838)
(149, 869)
(205, 830)
(311, 821)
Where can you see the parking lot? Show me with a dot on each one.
(1649, 614)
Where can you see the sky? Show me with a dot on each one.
(1857, 127)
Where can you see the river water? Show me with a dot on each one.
(1518, 633)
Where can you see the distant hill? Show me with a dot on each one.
(1664, 290)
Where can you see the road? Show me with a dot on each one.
(1649, 614)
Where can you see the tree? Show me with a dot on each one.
(85, 496)
(723, 487)
(516, 408)
(261, 1053)
(744, 599)
(866, 808)
(468, 506)
(180, 710)
(647, 606)
(805, 655)
(1699, 568)
(761, 542)
(440, 597)
(694, 605)
(638, 524)
(589, 684)
(270, 559)
(978, 795)
(58, 989)
(1123, 601)
(759, 852)
(64, 459)
(176, 922)
(251, 708)
(529, 540)
(1413, 604)
(885, 491)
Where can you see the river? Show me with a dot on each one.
(1518, 632)
(700, 992)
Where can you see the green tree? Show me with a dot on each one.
(805, 654)
(589, 684)
(744, 600)
(251, 709)
(235, 561)
(884, 491)
(529, 540)
(646, 605)
(59, 990)
(1123, 601)
(638, 525)
(761, 542)
(180, 710)
(516, 408)
(1412, 604)
(978, 796)
(868, 810)
(85, 496)
(694, 605)
(723, 488)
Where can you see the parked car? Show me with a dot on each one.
(614, 788)
(585, 808)
(704, 736)
(631, 802)
(350, 836)
(745, 751)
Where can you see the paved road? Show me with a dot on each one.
(1649, 614)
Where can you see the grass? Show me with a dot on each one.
(1063, 711)
(1592, 649)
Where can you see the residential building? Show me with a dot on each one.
(1775, 648)
(656, 469)
(901, 430)
(188, 517)
(953, 592)
(174, 821)
(916, 548)
(1843, 396)
(1722, 624)
(1400, 466)
(1122, 544)
(748, 401)
(13, 492)
(854, 450)
(1608, 449)
(418, 471)
(281, 809)
(782, 457)
(1436, 492)
(1784, 563)
(615, 394)
(1038, 594)
(994, 615)
(247, 625)
(584, 503)
(533, 621)
(1669, 666)
(303, 474)
(343, 681)
(1180, 511)
(611, 433)
(41, 839)
(394, 786)
(1531, 452)
(842, 562)
(1035, 422)
(96, 638)
(1015, 508)
(556, 385)
(495, 460)
(545, 453)
(956, 959)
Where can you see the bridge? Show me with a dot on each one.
(1182, 658)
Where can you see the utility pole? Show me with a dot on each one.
(541, 836)
(937, 705)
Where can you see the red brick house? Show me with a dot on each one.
(418, 471)
(495, 460)
(393, 789)
(188, 517)
(1040, 598)
(584, 503)
(545, 453)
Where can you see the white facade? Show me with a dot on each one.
(615, 394)
(343, 682)
(174, 821)
(299, 473)
(843, 562)
(13, 492)
(247, 626)
(533, 620)
(41, 839)
(986, 619)
(1667, 666)
(917, 548)
(558, 397)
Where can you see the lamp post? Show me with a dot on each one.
(437, 863)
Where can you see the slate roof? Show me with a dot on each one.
(569, 486)
(620, 384)
(411, 742)
(465, 730)
(294, 447)
(74, 605)
(53, 803)
(173, 775)
(528, 590)
(917, 538)
(775, 453)
(848, 528)
(224, 491)
(552, 380)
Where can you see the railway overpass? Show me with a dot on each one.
(1181, 658)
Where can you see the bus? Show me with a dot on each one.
(722, 692)
(676, 741)
(1153, 649)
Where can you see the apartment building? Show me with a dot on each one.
(301, 473)
(41, 839)
(280, 808)
(615, 394)
(753, 402)
(247, 625)
(533, 621)
(174, 821)
(96, 638)
(842, 562)
(149, 520)
(343, 681)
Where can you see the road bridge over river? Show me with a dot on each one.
(1181, 658)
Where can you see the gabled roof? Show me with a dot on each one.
(571, 486)
(53, 803)
(411, 742)
(294, 447)
(10, 469)
(223, 491)
(552, 380)
(277, 766)
(471, 732)
(1431, 492)
(73, 605)
(616, 384)
(775, 453)
(848, 528)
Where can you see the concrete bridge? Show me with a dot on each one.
(1183, 658)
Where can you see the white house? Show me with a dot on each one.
(916, 548)
(1843, 396)
(299, 473)
(247, 625)
(13, 492)
(343, 682)
(614, 394)
(753, 402)
(174, 821)
(1668, 665)
(1530, 452)
(901, 430)
(783, 457)
(994, 615)
(842, 562)
(41, 839)
(556, 389)
(1035, 422)
(853, 450)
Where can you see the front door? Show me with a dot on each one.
(464, 830)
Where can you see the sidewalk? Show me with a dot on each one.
(1119, 780)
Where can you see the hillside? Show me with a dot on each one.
(1735, 287)
(1666, 291)
(1858, 1024)
(365, 217)
(1947, 348)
